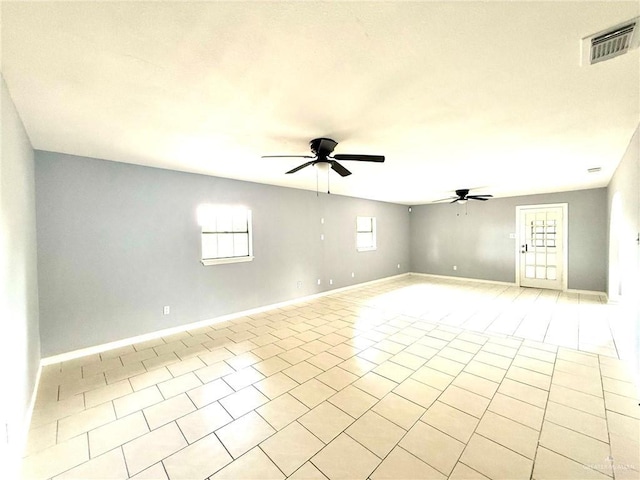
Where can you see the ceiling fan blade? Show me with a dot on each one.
(287, 156)
(360, 158)
(343, 172)
(457, 200)
(477, 198)
(480, 197)
(444, 199)
(300, 167)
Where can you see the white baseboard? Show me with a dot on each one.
(511, 284)
(29, 413)
(13, 448)
(463, 279)
(64, 357)
(588, 292)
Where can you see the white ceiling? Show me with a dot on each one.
(454, 94)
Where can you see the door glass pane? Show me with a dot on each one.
(542, 232)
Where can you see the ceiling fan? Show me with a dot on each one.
(322, 148)
(462, 196)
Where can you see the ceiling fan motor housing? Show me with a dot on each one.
(322, 147)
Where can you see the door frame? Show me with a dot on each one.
(565, 239)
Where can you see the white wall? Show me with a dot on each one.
(19, 326)
(624, 257)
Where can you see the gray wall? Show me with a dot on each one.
(19, 336)
(475, 238)
(117, 242)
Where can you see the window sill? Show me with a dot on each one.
(366, 249)
(222, 261)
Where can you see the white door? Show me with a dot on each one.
(541, 247)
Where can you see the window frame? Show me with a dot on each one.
(209, 216)
(373, 232)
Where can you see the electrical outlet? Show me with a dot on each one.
(166, 310)
(299, 284)
(353, 274)
(455, 267)
(322, 236)
(398, 265)
(331, 281)
(319, 282)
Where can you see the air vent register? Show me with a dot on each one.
(611, 43)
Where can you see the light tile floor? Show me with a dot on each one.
(406, 378)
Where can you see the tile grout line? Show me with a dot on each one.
(475, 429)
(545, 420)
(604, 401)
(460, 330)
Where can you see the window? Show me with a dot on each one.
(365, 233)
(226, 234)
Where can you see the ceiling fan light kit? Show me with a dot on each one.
(322, 167)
